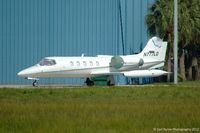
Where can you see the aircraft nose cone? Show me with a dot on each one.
(29, 72)
(21, 73)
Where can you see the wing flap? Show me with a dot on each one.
(104, 73)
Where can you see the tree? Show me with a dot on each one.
(160, 22)
(186, 25)
(194, 43)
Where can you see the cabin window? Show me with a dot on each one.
(91, 63)
(78, 63)
(71, 63)
(84, 63)
(47, 62)
(97, 63)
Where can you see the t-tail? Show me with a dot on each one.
(153, 58)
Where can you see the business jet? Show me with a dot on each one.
(144, 64)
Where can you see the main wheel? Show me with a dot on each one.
(35, 83)
(89, 82)
(109, 83)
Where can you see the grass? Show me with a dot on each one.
(99, 109)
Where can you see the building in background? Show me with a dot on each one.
(33, 29)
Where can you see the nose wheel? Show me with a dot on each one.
(35, 83)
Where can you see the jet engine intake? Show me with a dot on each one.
(126, 62)
(117, 62)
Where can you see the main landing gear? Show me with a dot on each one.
(89, 82)
(35, 83)
(103, 80)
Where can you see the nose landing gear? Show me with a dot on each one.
(35, 81)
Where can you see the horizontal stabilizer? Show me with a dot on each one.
(161, 65)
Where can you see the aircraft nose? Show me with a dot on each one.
(28, 72)
(21, 73)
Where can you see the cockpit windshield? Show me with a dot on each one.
(47, 62)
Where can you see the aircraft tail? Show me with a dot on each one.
(155, 49)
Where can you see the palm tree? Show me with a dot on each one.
(194, 43)
(186, 25)
(160, 22)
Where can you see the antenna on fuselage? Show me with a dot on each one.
(82, 55)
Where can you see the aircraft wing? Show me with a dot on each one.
(99, 73)
(134, 73)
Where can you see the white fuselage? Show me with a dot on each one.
(143, 64)
(81, 67)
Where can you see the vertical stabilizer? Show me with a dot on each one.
(155, 49)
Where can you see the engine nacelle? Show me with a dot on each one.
(117, 62)
(126, 62)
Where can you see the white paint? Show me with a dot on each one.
(152, 55)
